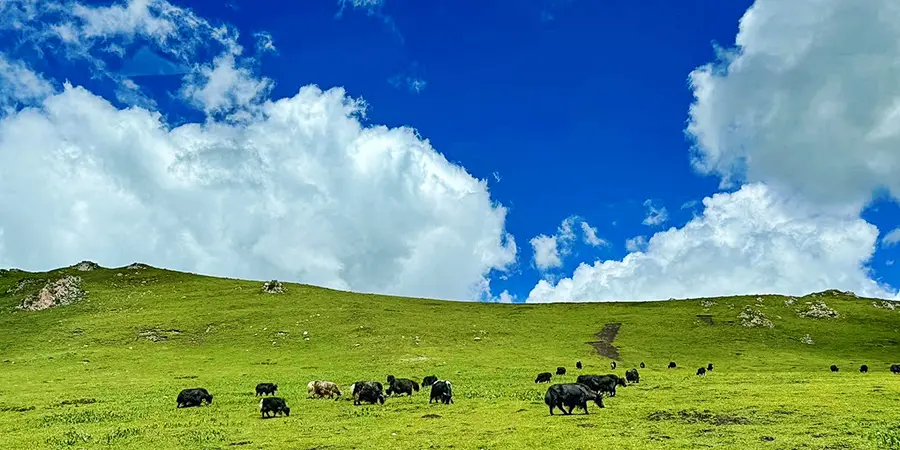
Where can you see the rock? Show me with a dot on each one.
(273, 287)
(807, 339)
(86, 266)
(707, 303)
(790, 302)
(137, 266)
(61, 292)
(885, 304)
(817, 310)
(752, 318)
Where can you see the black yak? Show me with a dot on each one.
(571, 395)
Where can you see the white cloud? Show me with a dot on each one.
(20, 85)
(94, 34)
(636, 244)
(892, 238)
(747, 242)
(889, 262)
(689, 204)
(546, 252)
(549, 251)
(264, 42)
(223, 87)
(590, 235)
(655, 216)
(304, 192)
(808, 102)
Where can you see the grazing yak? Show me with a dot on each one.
(367, 391)
(701, 371)
(194, 397)
(429, 380)
(578, 365)
(543, 377)
(672, 365)
(560, 370)
(895, 368)
(442, 391)
(266, 388)
(601, 383)
(863, 369)
(401, 386)
(323, 389)
(273, 405)
(571, 395)
(632, 376)
(612, 365)
(709, 367)
(834, 368)
(642, 364)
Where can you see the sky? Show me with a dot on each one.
(499, 151)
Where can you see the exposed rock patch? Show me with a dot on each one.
(707, 318)
(61, 292)
(24, 284)
(707, 303)
(817, 310)
(273, 287)
(885, 304)
(604, 341)
(86, 266)
(137, 266)
(807, 339)
(753, 318)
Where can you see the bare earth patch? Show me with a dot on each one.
(604, 341)
(706, 318)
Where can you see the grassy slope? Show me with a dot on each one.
(766, 382)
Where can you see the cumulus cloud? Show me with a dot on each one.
(307, 193)
(636, 244)
(223, 87)
(808, 101)
(655, 216)
(590, 235)
(549, 251)
(746, 242)
(892, 238)
(546, 252)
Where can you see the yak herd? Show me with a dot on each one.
(362, 391)
(586, 388)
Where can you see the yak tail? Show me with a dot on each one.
(415, 385)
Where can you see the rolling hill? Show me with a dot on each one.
(104, 371)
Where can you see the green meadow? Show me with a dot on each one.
(104, 372)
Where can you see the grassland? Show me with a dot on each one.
(99, 374)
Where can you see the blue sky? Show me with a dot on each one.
(577, 116)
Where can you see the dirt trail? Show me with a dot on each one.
(604, 341)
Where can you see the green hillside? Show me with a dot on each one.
(104, 371)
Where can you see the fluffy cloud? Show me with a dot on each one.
(546, 252)
(749, 241)
(808, 101)
(892, 238)
(590, 235)
(636, 244)
(305, 193)
(550, 250)
(655, 216)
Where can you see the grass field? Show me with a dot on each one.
(88, 376)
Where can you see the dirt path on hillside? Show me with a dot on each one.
(604, 343)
